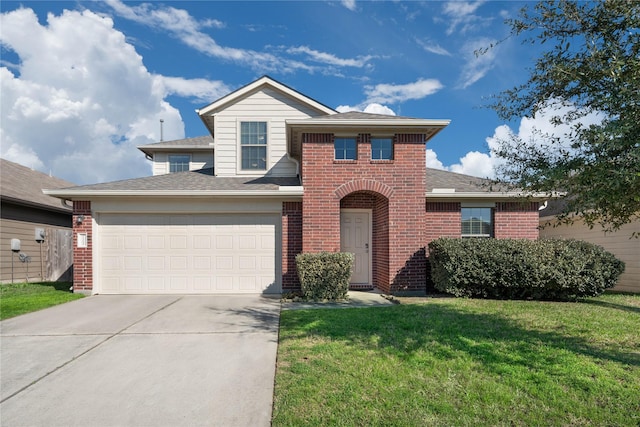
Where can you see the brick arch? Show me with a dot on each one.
(368, 185)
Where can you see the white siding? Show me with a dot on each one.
(263, 105)
(199, 160)
(620, 244)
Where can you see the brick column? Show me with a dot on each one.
(82, 257)
(291, 244)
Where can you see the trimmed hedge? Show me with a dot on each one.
(522, 269)
(324, 275)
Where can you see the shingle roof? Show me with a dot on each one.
(358, 115)
(203, 180)
(195, 143)
(198, 180)
(437, 178)
(23, 185)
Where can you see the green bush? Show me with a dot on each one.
(324, 275)
(522, 269)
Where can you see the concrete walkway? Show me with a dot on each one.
(141, 361)
(356, 299)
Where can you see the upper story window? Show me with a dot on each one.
(345, 148)
(477, 222)
(381, 148)
(253, 145)
(179, 162)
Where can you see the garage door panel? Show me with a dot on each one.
(178, 283)
(224, 241)
(202, 263)
(156, 242)
(186, 253)
(156, 283)
(224, 283)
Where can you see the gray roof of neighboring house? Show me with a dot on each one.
(198, 180)
(20, 184)
(197, 143)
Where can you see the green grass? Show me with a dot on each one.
(21, 298)
(462, 362)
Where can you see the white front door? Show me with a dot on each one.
(355, 235)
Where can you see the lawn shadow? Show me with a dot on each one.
(608, 304)
(490, 339)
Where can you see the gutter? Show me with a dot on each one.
(448, 195)
(283, 191)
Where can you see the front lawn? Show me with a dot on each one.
(462, 362)
(21, 298)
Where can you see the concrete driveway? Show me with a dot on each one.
(141, 361)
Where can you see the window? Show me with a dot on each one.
(477, 222)
(345, 148)
(253, 145)
(381, 149)
(179, 163)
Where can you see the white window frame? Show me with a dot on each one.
(239, 169)
(178, 154)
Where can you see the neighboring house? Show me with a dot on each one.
(24, 210)
(281, 174)
(620, 243)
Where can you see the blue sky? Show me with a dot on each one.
(92, 79)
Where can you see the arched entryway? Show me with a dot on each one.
(364, 230)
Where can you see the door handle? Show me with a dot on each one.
(366, 247)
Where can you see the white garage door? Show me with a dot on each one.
(216, 253)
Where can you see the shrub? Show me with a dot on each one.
(522, 269)
(324, 275)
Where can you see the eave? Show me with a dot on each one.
(454, 195)
(83, 195)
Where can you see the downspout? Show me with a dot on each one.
(296, 162)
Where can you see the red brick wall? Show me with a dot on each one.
(516, 220)
(443, 220)
(82, 257)
(401, 181)
(291, 244)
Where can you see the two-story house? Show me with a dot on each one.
(280, 174)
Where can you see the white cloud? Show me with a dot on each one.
(534, 130)
(462, 17)
(80, 99)
(349, 4)
(432, 160)
(181, 25)
(369, 108)
(433, 47)
(477, 66)
(202, 90)
(331, 59)
(476, 164)
(389, 93)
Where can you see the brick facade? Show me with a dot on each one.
(443, 220)
(291, 244)
(82, 257)
(516, 220)
(327, 182)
